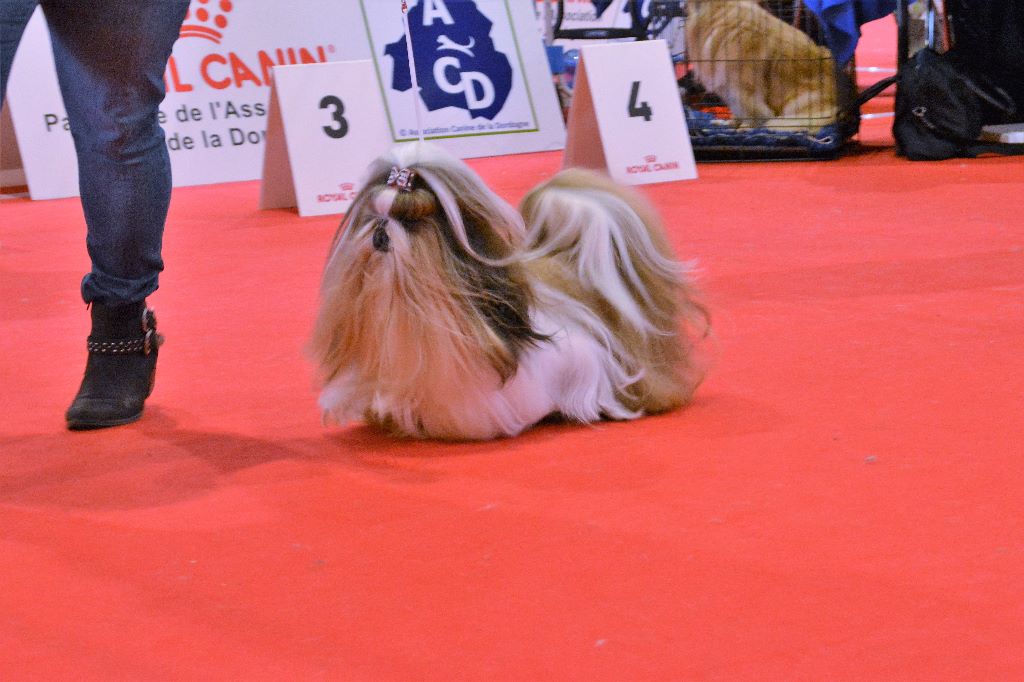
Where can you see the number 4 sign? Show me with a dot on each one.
(627, 115)
(325, 125)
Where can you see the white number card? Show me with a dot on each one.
(326, 124)
(627, 115)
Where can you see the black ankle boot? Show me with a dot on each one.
(121, 367)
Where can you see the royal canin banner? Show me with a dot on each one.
(484, 68)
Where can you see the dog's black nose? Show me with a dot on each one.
(381, 241)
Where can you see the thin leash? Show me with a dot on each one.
(412, 70)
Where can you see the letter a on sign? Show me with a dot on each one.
(627, 115)
(436, 9)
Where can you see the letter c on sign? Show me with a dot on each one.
(440, 66)
(204, 69)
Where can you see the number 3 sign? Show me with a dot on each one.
(627, 115)
(326, 124)
(339, 128)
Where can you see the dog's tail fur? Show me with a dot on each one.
(603, 245)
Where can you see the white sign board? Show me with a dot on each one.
(627, 115)
(326, 125)
(485, 83)
(215, 114)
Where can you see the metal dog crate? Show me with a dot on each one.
(719, 132)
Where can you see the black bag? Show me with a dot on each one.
(990, 35)
(940, 105)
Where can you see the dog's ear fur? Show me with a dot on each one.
(501, 296)
(486, 279)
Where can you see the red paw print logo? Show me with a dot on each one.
(207, 19)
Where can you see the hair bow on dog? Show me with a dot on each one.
(401, 179)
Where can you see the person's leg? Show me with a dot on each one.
(110, 57)
(14, 14)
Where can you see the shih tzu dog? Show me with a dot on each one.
(445, 313)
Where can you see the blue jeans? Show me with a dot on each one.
(111, 56)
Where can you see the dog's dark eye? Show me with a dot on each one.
(381, 241)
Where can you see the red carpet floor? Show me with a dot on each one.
(843, 500)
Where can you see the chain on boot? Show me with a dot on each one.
(121, 368)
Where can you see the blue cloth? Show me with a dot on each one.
(110, 57)
(706, 130)
(842, 19)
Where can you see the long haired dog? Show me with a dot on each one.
(443, 315)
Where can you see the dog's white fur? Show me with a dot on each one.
(475, 325)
